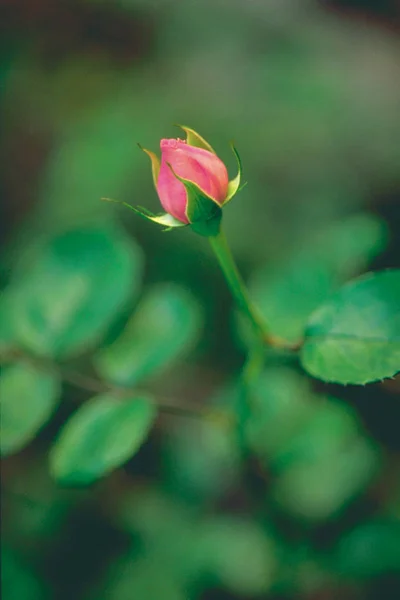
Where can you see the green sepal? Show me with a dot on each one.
(200, 207)
(168, 221)
(194, 139)
(155, 164)
(234, 185)
(209, 228)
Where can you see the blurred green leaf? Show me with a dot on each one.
(302, 571)
(96, 154)
(393, 505)
(67, 292)
(281, 402)
(169, 528)
(37, 509)
(324, 465)
(329, 425)
(288, 293)
(369, 550)
(202, 459)
(28, 399)
(99, 437)
(154, 514)
(238, 553)
(355, 337)
(17, 581)
(7, 336)
(145, 577)
(317, 489)
(165, 325)
(349, 246)
(198, 549)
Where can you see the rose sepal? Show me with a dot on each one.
(203, 212)
(235, 185)
(165, 219)
(195, 139)
(155, 164)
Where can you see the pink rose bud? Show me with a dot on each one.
(192, 184)
(195, 164)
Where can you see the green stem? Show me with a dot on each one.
(236, 284)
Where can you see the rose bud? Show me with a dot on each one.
(194, 164)
(191, 182)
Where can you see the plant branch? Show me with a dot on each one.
(239, 291)
(235, 282)
(93, 385)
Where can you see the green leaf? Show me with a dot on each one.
(369, 550)
(355, 337)
(330, 426)
(145, 577)
(194, 139)
(234, 184)
(164, 326)
(7, 336)
(18, 582)
(393, 503)
(158, 518)
(225, 542)
(155, 515)
(325, 464)
(99, 437)
(94, 154)
(288, 293)
(202, 459)
(28, 399)
(281, 402)
(350, 245)
(72, 288)
(313, 448)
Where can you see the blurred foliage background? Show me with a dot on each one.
(310, 92)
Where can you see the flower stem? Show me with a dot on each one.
(237, 286)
